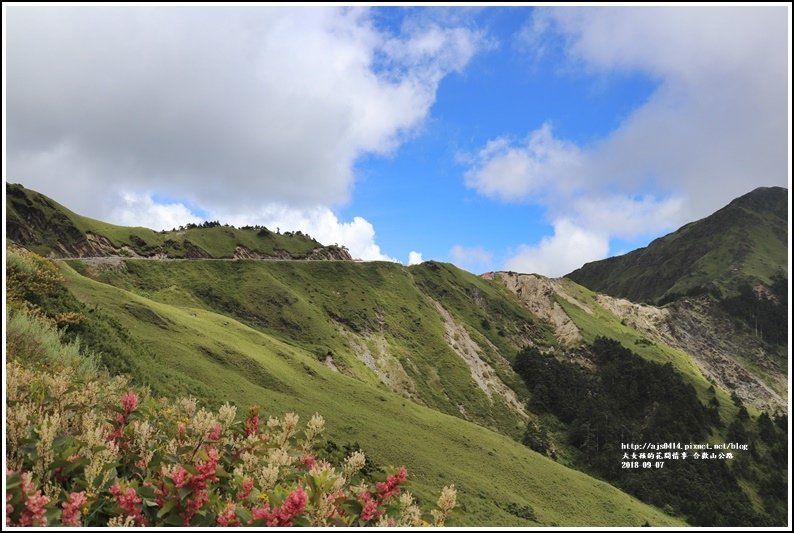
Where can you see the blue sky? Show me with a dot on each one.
(494, 138)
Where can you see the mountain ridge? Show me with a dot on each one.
(50, 229)
(745, 241)
(410, 361)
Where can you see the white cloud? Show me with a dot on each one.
(713, 129)
(414, 258)
(510, 172)
(471, 257)
(141, 210)
(230, 108)
(623, 216)
(569, 248)
(358, 235)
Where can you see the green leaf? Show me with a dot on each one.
(314, 489)
(184, 492)
(301, 521)
(75, 464)
(13, 481)
(146, 492)
(243, 514)
(172, 520)
(166, 508)
(68, 452)
(352, 507)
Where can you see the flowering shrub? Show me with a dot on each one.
(90, 450)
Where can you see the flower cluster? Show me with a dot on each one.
(94, 451)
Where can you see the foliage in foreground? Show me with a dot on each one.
(85, 449)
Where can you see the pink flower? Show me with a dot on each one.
(215, 434)
(129, 401)
(263, 513)
(71, 509)
(252, 425)
(390, 487)
(181, 428)
(293, 506)
(27, 482)
(194, 504)
(9, 508)
(228, 518)
(35, 507)
(180, 476)
(206, 469)
(370, 507)
(248, 484)
(129, 502)
(309, 461)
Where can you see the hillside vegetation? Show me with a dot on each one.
(178, 350)
(616, 381)
(50, 229)
(100, 452)
(454, 375)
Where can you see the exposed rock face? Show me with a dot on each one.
(733, 359)
(537, 294)
(193, 251)
(241, 252)
(481, 372)
(649, 320)
(373, 350)
(92, 245)
(723, 354)
(330, 253)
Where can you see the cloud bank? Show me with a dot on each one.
(714, 128)
(236, 110)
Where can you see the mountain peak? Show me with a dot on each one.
(744, 242)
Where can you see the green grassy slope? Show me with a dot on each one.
(247, 365)
(45, 226)
(604, 323)
(337, 310)
(745, 241)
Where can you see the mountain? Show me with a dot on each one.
(723, 284)
(427, 365)
(744, 242)
(50, 229)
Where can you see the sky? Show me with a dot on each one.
(495, 138)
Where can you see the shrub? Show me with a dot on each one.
(89, 450)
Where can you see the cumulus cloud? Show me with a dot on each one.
(358, 235)
(414, 258)
(141, 210)
(471, 257)
(569, 248)
(714, 128)
(510, 171)
(232, 109)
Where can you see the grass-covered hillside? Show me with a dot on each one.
(377, 322)
(50, 229)
(620, 375)
(174, 342)
(744, 242)
(457, 376)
